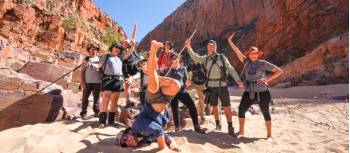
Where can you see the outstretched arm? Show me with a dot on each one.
(276, 72)
(231, 70)
(239, 54)
(132, 43)
(133, 35)
(153, 77)
(194, 56)
(161, 142)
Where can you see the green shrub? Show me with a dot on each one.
(110, 36)
(52, 6)
(70, 22)
(28, 2)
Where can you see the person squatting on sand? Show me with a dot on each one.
(148, 126)
(179, 73)
(90, 81)
(217, 67)
(256, 84)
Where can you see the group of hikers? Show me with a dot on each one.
(164, 80)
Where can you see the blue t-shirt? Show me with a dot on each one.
(181, 75)
(149, 124)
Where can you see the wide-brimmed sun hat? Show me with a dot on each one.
(253, 49)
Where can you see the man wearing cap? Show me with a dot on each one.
(90, 81)
(217, 67)
(148, 126)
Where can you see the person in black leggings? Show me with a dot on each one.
(180, 73)
(256, 84)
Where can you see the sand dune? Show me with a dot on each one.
(299, 126)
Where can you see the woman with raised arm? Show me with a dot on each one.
(256, 83)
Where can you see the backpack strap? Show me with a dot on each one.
(243, 70)
(105, 63)
(208, 74)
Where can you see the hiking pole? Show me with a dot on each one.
(220, 113)
(194, 32)
(58, 79)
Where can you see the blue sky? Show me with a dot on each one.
(148, 13)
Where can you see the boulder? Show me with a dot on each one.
(17, 109)
(46, 72)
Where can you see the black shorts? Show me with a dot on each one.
(216, 93)
(112, 84)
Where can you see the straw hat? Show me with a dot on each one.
(253, 49)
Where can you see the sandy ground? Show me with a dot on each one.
(299, 125)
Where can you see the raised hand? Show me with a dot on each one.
(263, 81)
(188, 43)
(231, 36)
(239, 84)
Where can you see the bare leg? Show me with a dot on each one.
(241, 126)
(114, 102)
(268, 128)
(216, 112)
(153, 78)
(228, 114)
(106, 96)
(127, 91)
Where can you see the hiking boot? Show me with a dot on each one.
(231, 131)
(218, 127)
(102, 119)
(202, 120)
(198, 129)
(177, 129)
(111, 118)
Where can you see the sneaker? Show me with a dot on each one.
(231, 131)
(218, 127)
(101, 125)
(199, 129)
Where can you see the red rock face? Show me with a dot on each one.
(285, 30)
(37, 46)
(42, 24)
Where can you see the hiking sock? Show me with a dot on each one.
(111, 118)
(229, 124)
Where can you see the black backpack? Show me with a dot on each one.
(130, 67)
(198, 75)
(103, 67)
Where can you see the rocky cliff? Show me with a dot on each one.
(286, 30)
(40, 40)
